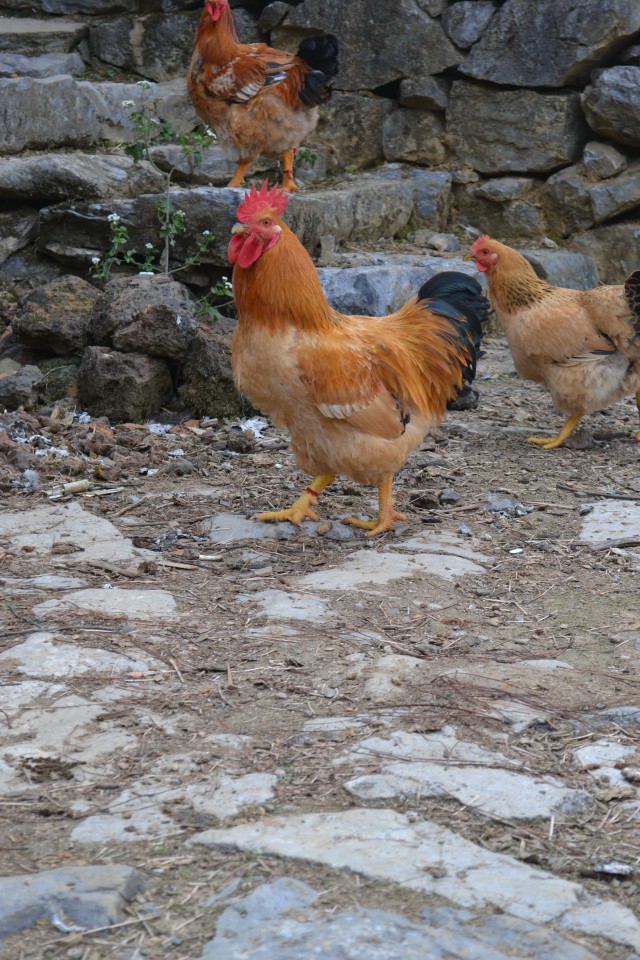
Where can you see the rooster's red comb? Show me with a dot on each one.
(481, 241)
(257, 200)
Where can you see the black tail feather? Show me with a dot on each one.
(321, 53)
(470, 310)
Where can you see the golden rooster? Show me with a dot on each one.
(260, 101)
(356, 393)
(583, 345)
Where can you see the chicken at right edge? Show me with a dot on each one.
(583, 345)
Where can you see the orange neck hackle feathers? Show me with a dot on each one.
(216, 37)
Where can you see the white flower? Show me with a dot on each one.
(209, 132)
(95, 259)
(144, 84)
(114, 218)
(206, 233)
(154, 121)
(145, 273)
(128, 103)
(149, 246)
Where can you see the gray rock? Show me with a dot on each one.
(415, 136)
(272, 15)
(617, 195)
(554, 45)
(499, 131)
(19, 388)
(18, 228)
(615, 248)
(350, 130)
(425, 93)
(602, 160)
(50, 177)
(142, 314)
(92, 896)
(45, 65)
(57, 317)
(612, 105)
(503, 208)
(566, 197)
(631, 55)
(29, 269)
(157, 46)
(466, 21)
(563, 268)
(75, 233)
(278, 919)
(33, 36)
(122, 386)
(400, 34)
(63, 112)
(208, 388)
(59, 380)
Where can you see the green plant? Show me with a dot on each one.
(152, 130)
(304, 154)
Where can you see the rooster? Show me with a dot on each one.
(356, 393)
(583, 345)
(260, 101)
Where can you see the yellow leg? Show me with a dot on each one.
(301, 509)
(238, 178)
(386, 514)
(288, 183)
(549, 443)
(638, 405)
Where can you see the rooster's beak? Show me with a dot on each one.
(469, 256)
(239, 228)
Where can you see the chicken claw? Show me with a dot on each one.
(550, 443)
(387, 516)
(301, 509)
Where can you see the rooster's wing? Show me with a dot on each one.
(257, 68)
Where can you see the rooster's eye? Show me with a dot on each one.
(266, 222)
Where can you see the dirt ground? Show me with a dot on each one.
(545, 595)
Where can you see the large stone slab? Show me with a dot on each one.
(441, 764)
(87, 897)
(40, 655)
(498, 131)
(67, 523)
(553, 45)
(615, 249)
(611, 520)
(401, 33)
(279, 919)
(130, 604)
(64, 112)
(31, 36)
(370, 569)
(50, 177)
(46, 65)
(384, 845)
(611, 103)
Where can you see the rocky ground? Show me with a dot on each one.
(222, 738)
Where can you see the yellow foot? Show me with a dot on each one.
(374, 527)
(289, 186)
(638, 437)
(549, 443)
(295, 514)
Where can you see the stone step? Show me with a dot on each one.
(14, 65)
(32, 36)
(56, 112)
(354, 211)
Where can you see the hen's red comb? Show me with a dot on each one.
(258, 200)
(481, 240)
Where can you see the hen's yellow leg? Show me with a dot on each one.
(638, 405)
(238, 178)
(387, 516)
(301, 509)
(549, 443)
(288, 183)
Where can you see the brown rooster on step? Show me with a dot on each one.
(583, 345)
(259, 101)
(356, 393)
